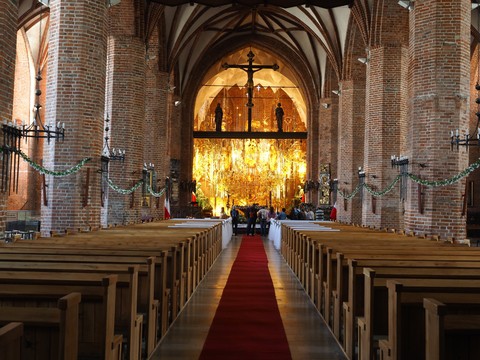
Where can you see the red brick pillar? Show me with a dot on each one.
(158, 91)
(8, 26)
(351, 133)
(440, 100)
(128, 122)
(75, 96)
(327, 133)
(386, 86)
(313, 153)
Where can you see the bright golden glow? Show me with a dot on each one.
(246, 171)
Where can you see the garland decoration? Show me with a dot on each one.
(416, 179)
(124, 191)
(156, 194)
(45, 171)
(446, 182)
(352, 195)
(386, 190)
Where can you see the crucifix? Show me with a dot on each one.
(250, 69)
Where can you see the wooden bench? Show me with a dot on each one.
(178, 273)
(452, 330)
(135, 293)
(406, 317)
(56, 328)
(367, 303)
(97, 309)
(11, 336)
(320, 261)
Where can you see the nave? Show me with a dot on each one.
(307, 334)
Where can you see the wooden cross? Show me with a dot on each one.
(250, 69)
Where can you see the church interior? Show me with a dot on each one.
(130, 127)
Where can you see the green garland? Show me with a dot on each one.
(352, 195)
(156, 194)
(45, 171)
(446, 182)
(124, 191)
(416, 179)
(386, 190)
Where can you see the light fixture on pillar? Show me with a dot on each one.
(401, 162)
(336, 92)
(111, 154)
(325, 105)
(406, 4)
(334, 190)
(364, 60)
(149, 182)
(475, 5)
(398, 161)
(177, 103)
(361, 173)
(361, 180)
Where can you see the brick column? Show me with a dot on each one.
(313, 152)
(75, 96)
(440, 100)
(155, 149)
(384, 134)
(351, 133)
(328, 135)
(8, 24)
(127, 125)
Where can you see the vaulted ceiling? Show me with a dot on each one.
(314, 34)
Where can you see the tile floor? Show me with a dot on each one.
(308, 336)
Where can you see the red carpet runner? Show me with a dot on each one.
(247, 324)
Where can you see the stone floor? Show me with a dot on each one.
(308, 336)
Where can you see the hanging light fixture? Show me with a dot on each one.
(37, 129)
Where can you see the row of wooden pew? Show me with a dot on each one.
(387, 295)
(107, 294)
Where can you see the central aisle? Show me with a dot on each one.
(307, 334)
(247, 318)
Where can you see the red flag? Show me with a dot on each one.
(194, 197)
(167, 208)
(303, 198)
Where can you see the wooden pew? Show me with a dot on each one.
(97, 309)
(335, 288)
(368, 302)
(184, 266)
(314, 259)
(135, 291)
(11, 341)
(406, 318)
(55, 327)
(451, 330)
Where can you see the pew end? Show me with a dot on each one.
(11, 336)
